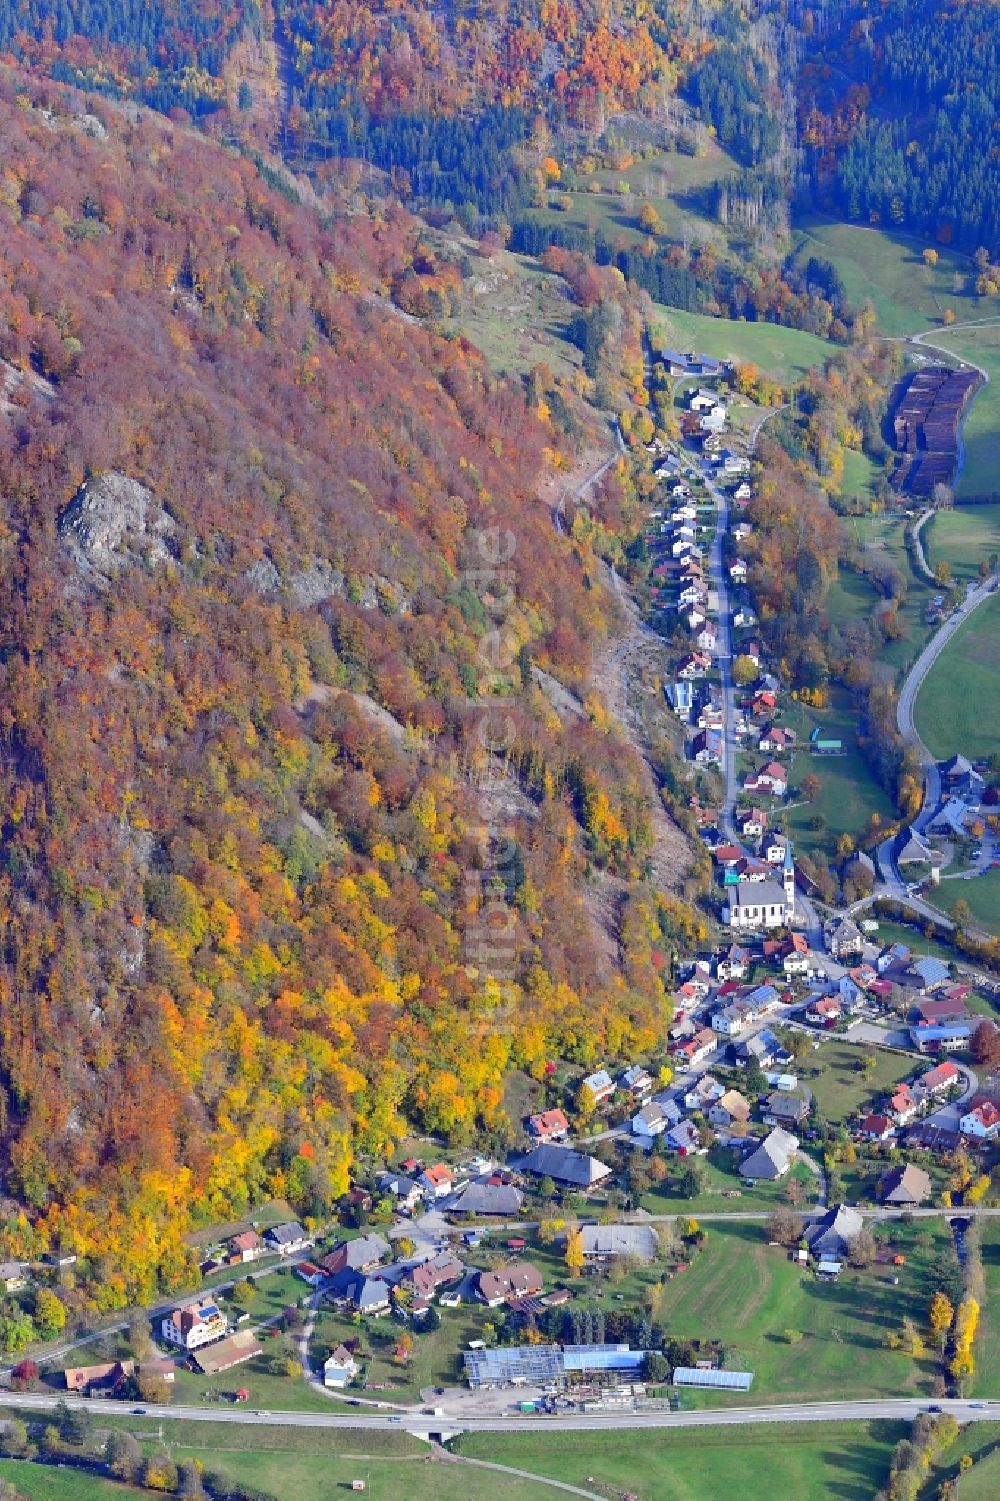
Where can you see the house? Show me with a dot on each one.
(938, 1079)
(707, 639)
(340, 1368)
(763, 703)
(195, 1323)
(360, 1293)
(843, 938)
(772, 1159)
(751, 822)
(519, 1280)
(982, 1121)
(731, 1109)
(703, 401)
(738, 574)
(436, 1272)
(905, 1186)
(939, 1013)
(775, 848)
(783, 1109)
(902, 1106)
(438, 1181)
(734, 1019)
(405, 1190)
(246, 1246)
(684, 1138)
(637, 1081)
(288, 1239)
(707, 747)
(758, 904)
(835, 1233)
(489, 1199)
(771, 778)
(953, 819)
(825, 1010)
(774, 738)
(763, 1048)
(565, 1166)
(702, 1092)
(743, 616)
(693, 593)
(549, 1125)
(680, 697)
(876, 1128)
(358, 1255)
(695, 618)
(743, 491)
(694, 665)
(310, 1273)
(932, 973)
(13, 1276)
(599, 1085)
(734, 963)
(603, 1243)
(941, 1039)
(696, 1049)
(100, 1380)
(652, 1120)
(796, 957)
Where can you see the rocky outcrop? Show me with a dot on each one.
(113, 522)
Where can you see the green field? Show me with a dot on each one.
(958, 706)
(860, 474)
(981, 346)
(839, 1088)
(721, 1177)
(987, 1378)
(848, 792)
(783, 353)
(745, 1293)
(848, 1460)
(42, 1483)
(517, 314)
(982, 893)
(963, 537)
(888, 269)
(982, 1482)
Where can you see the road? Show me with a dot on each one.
(422, 1425)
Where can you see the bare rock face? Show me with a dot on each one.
(114, 522)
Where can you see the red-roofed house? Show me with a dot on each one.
(437, 1181)
(982, 1121)
(549, 1125)
(876, 1128)
(939, 1078)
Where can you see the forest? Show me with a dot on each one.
(909, 143)
(252, 526)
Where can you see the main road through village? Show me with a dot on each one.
(423, 1425)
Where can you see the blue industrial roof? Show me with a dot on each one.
(734, 1381)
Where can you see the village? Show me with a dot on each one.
(814, 1079)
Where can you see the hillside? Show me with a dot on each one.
(276, 577)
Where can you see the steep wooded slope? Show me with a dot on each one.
(242, 502)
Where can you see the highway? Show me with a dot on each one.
(422, 1425)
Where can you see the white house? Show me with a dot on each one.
(195, 1324)
(738, 571)
(340, 1368)
(599, 1085)
(707, 638)
(982, 1121)
(652, 1120)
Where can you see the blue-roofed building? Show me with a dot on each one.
(729, 1381)
(932, 972)
(602, 1358)
(941, 1039)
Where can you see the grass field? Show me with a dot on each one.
(982, 894)
(848, 1461)
(889, 270)
(848, 792)
(721, 1176)
(958, 706)
(43, 1483)
(839, 1088)
(783, 353)
(981, 474)
(517, 314)
(963, 537)
(982, 1482)
(745, 1293)
(987, 1379)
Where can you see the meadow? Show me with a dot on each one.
(847, 1460)
(980, 346)
(964, 537)
(785, 354)
(888, 269)
(958, 706)
(838, 1085)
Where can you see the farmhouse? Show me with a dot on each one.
(609, 1242)
(772, 1159)
(228, 1353)
(905, 1186)
(835, 1233)
(564, 1165)
(488, 1199)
